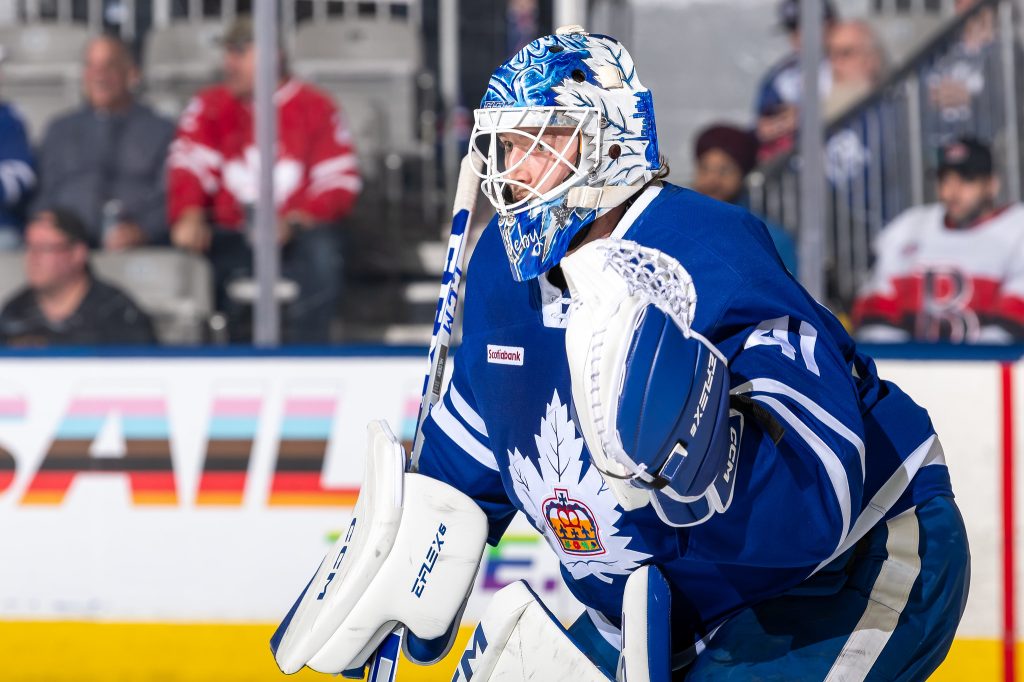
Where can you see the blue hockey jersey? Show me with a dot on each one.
(852, 449)
(17, 174)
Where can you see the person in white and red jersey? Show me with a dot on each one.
(952, 271)
(213, 184)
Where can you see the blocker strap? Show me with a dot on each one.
(601, 197)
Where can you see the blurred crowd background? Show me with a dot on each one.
(129, 172)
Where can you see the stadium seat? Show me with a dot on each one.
(42, 70)
(174, 287)
(370, 67)
(375, 44)
(12, 274)
(179, 60)
(43, 49)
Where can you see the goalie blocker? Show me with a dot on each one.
(408, 557)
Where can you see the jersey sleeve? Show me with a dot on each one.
(17, 176)
(801, 469)
(456, 450)
(194, 163)
(333, 181)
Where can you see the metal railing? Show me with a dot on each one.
(881, 152)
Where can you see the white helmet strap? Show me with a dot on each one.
(609, 196)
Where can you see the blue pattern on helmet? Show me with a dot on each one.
(529, 78)
(645, 112)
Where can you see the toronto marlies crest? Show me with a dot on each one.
(576, 513)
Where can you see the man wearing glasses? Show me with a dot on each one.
(62, 302)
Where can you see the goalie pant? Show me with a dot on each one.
(856, 452)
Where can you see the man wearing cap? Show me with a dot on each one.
(213, 185)
(778, 96)
(952, 271)
(105, 160)
(724, 156)
(63, 303)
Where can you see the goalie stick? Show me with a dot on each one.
(384, 663)
(448, 300)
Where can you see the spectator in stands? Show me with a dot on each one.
(857, 62)
(952, 271)
(17, 175)
(105, 160)
(213, 185)
(724, 156)
(63, 303)
(778, 96)
(957, 81)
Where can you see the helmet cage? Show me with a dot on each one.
(496, 181)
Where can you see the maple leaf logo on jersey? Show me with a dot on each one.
(576, 513)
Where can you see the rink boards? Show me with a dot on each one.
(160, 514)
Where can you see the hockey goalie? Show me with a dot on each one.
(732, 490)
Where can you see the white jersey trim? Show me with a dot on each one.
(336, 164)
(633, 212)
(461, 436)
(467, 413)
(822, 415)
(609, 632)
(889, 596)
(928, 453)
(833, 465)
(15, 174)
(349, 183)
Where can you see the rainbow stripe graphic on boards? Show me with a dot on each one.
(305, 431)
(233, 424)
(146, 456)
(12, 408)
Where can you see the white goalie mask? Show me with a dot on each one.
(564, 134)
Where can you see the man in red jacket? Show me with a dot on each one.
(213, 183)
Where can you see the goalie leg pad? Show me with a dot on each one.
(410, 556)
(518, 640)
(646, 628)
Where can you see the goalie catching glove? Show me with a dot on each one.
(408, 557)
(651, 394)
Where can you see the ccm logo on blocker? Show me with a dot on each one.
(505, 355)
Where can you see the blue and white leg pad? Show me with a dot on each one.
(646, 628)
(409, 557)
(518, 640)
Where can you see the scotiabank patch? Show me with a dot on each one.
(505, 355)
